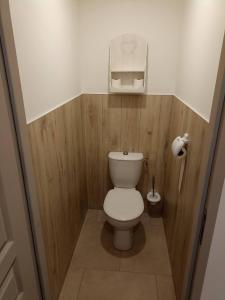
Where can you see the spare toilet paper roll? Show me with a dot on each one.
(116, 83)
(138, 83)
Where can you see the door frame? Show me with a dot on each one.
(214, 180)
(16, 98)
(17, 252)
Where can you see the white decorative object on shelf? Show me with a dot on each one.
(128, 64)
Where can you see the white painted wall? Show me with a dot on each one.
(203, 24)
(155, 20)
(214, 287)
(46, 37)
(63, 46)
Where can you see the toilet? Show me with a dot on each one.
(124, 205)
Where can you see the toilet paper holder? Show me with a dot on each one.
(178, 145)
(180, 152)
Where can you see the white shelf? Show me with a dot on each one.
(128, 63)
(127, 90)
(126, 69)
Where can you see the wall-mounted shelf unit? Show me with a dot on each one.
(128, 64)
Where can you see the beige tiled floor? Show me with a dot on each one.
(100, 272)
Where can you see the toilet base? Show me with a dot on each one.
(123, 235)
(123, 239)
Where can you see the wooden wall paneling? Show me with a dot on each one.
(111, 131)
(41, 134)
(154, 123)
(159, 143)
(56, 145)
(190, 197)
(131, 129)
(119, 123)
(180, 208)
(92, 106)
(69, 150)
(80, 155)
(146, 132)
(147, 135)
(172, 168)
(74, 143)
(130, 124)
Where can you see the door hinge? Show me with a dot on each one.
(202, 226)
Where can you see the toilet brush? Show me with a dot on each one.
(153, 197)
(153, 185)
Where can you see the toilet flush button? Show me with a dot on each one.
(125, 153)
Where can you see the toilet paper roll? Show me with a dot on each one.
(182, 153)
(178, 148)
(116, 83)
(138, 83)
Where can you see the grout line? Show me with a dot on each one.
(81, 281)
(157, 287)
(145, 273)
(120, 264)
(119, 258)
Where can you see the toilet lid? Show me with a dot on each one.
(123, 204)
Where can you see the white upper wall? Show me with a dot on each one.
(46, 38)
(63, 47)
(155, 20)
(202, 34)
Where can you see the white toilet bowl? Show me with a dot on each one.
(123, 208)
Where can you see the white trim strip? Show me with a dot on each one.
(38, 116)
(192, 108)
(83, 93)
(147, 94)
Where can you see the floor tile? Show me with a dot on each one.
(94, 249)
(140, 273)
(153, 257)
(108, 285)
(71, 285)
(165, 288)
(146, 219)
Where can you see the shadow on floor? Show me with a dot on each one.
(107, 241)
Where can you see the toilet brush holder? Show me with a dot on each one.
(153, 198)
(154, 204)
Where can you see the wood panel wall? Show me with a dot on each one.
(70, 147)
(124, 123)
(59, 163)
(180, 208)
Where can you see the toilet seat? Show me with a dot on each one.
(123, 204)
